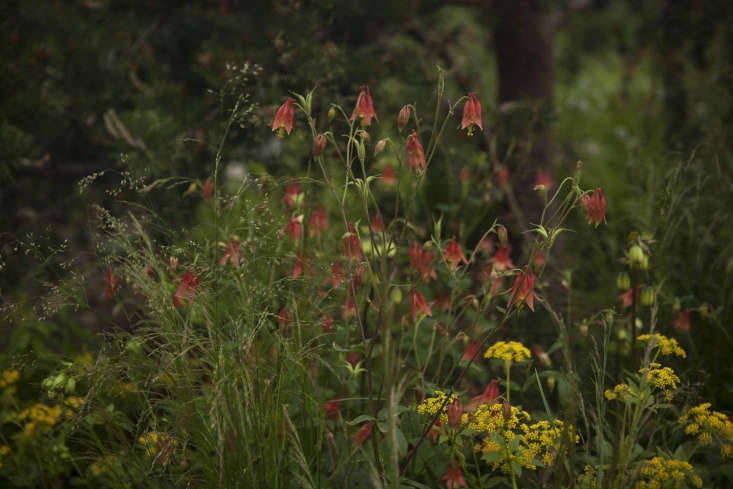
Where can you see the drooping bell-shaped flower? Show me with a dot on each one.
(111, 281)
(284, 118)
(594, 206)
(454, 254)
(472, 114)
(418, 304)
(231, 254)
(319, 144)
(455, 413)
(364, 107)
(186, 289)
(363, 434)
(454, 476)
(415, 153)
(403, 117)
(523, 289)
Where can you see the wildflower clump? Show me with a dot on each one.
(8, 378)
(662, 378)
(509, 351)
(660, 472)
(39, 417)
(666, 346)
(705, 424)
(621, 392)
(158, 445)
(542, 440)
(437, 403)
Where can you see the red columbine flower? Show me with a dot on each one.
(523, 289)
(363, 434)
(284, 118)
(415, 153)
(231, 253)
(683, 320)
(331, 408)
(364, 107)
(111, 281)
(454, 476)
(594, 206)
(543, 179)
(418, 304)
(421, 260)
(388, 175)
(403, 117)
(454, 254)
(627, 299)
(455, 413)
(348, 310)
(501, 259)
(337, 274)
(489, 395)
(318, 222)
(319, 144)
(472, 114)
(471, 348)
(186, 289)
(293, 197)
(352, 245)
(298, 267)
(207, 189)
(295, 227)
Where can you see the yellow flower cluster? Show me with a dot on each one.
(660, 472)
(104, 465)
(4, 450)
(431, 405)
(489, 418)
(662, 378)
(622, 392)
(541, 440)
(701, 422)
(73, 402)
(8, 378)
(40, 417)
(155, 442)
(667, 346)
(508, 351)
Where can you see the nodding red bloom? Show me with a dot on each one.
(501, 259)
(353, 358)
(284, 118)
(111, 281)
(186, 289)
(594, 206)
(472, 114)
(627, 299)
(319, 144)
(318, 222)
(415, 153)
(403, 117)
(295, 227)
(283, 318)
(454, 254)
(471, 348)
(542, 356)
(543, 179)
(363, 434)
(523, 289)
(388, 175)
(488, 396)
(352, 245)
(418, 304)
(683, 320)
(207, 189)
(539, 260)
(326, 323)
(442, 302)
(502, 175)
(364, 107)
(464, 174)
(337, 274)
(231, 254)
(377, 224)
(454, 476)
(421, 260)
(349, 308)
(331, 408)
(293, 197)
(455, 413)
(298, 267)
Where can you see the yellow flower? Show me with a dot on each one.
(508, 351)
(662, 378)
(40, 417)
(667, 346)
(664, 472)
(700, 421)
(8, 378)
(622, 392)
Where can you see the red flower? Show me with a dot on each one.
(364, 107)
(683, 320)
(415, 153)
(318, 222)
(295, 227)
(326, 323)
(352, 245)
(454, 254)
(284, 118)
(331, 408)
(421, 260)
(337, 274)
(186, 289)
(363, 434)
(542, 356)
(501, 259)
(471, 348)
(472, 114)
(388, 175)
(293, 197)
(523, 289)
(298, 266)
(442, 302)
(207, 189)
(626, 298)
(455, 413)
(543, 179)
(418, 304)
(231, 253)
(539, 260)
(454, 476)
(353, 358)
(502, 175)
(349, 308)
(465, 174)
(319, 144)
(594, 206)
(377, 224)
(488, 396)
(403, 117)
(111, 281)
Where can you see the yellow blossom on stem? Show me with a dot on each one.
(509, 351)
(666, 346)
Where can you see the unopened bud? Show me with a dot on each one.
(584, 329)
(379, 147)
(623, 281)
(676, 306)
(455, 413)
(172, 264)
(396, 295)
(502, 233)
(70, 385)
(647, 296)
(506, 410)
(319, 144)
(403, 117)
(331, 114)
(637, 257)
(550, 383)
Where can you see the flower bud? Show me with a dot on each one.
(379, 147)
(319, 144)
(676, 306)
(331, 114)
(584, 329)
(173, 264)
(396, 295)
(637, 258)
(501, 232)
(506, 410)
(550, 384)
(647, 296)
(403, 117)
(70, 385)
(455, 413)
(623, 281)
